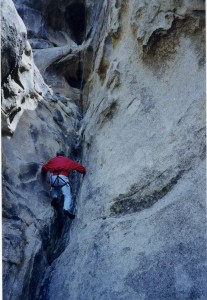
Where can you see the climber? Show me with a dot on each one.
(59, 167)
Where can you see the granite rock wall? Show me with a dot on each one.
(140, 231)
(135, 70)
(36, 122)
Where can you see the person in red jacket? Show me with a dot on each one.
(60, 167)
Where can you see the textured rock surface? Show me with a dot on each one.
(35, 124)
(140, 231)
(55, 30)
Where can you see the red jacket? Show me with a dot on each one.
(62, 165)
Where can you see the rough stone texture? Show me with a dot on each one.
(52, 24)
(140, 230)
(36, 123)
(22, 85)
(55, 30)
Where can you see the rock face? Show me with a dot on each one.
(140, 229)
(54, 31)
(36, 123)
(141, 213)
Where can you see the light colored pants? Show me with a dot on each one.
(59, 185)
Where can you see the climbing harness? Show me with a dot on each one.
(57, 180)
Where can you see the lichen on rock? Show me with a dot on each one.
(139, 199)
(153, 19)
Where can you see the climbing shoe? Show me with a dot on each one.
(54, 202)
(67, 213)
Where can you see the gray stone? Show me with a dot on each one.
(31, 227)
(38, 43)
(146, 162)
(138, 79)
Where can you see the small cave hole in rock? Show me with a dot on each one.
(75, 16)
(75, 81)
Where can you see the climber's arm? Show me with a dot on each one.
(78, 167)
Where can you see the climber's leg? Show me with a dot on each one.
(68, 214)
(67, 197)
(61, 182)
(67, 208)
(56, 189)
